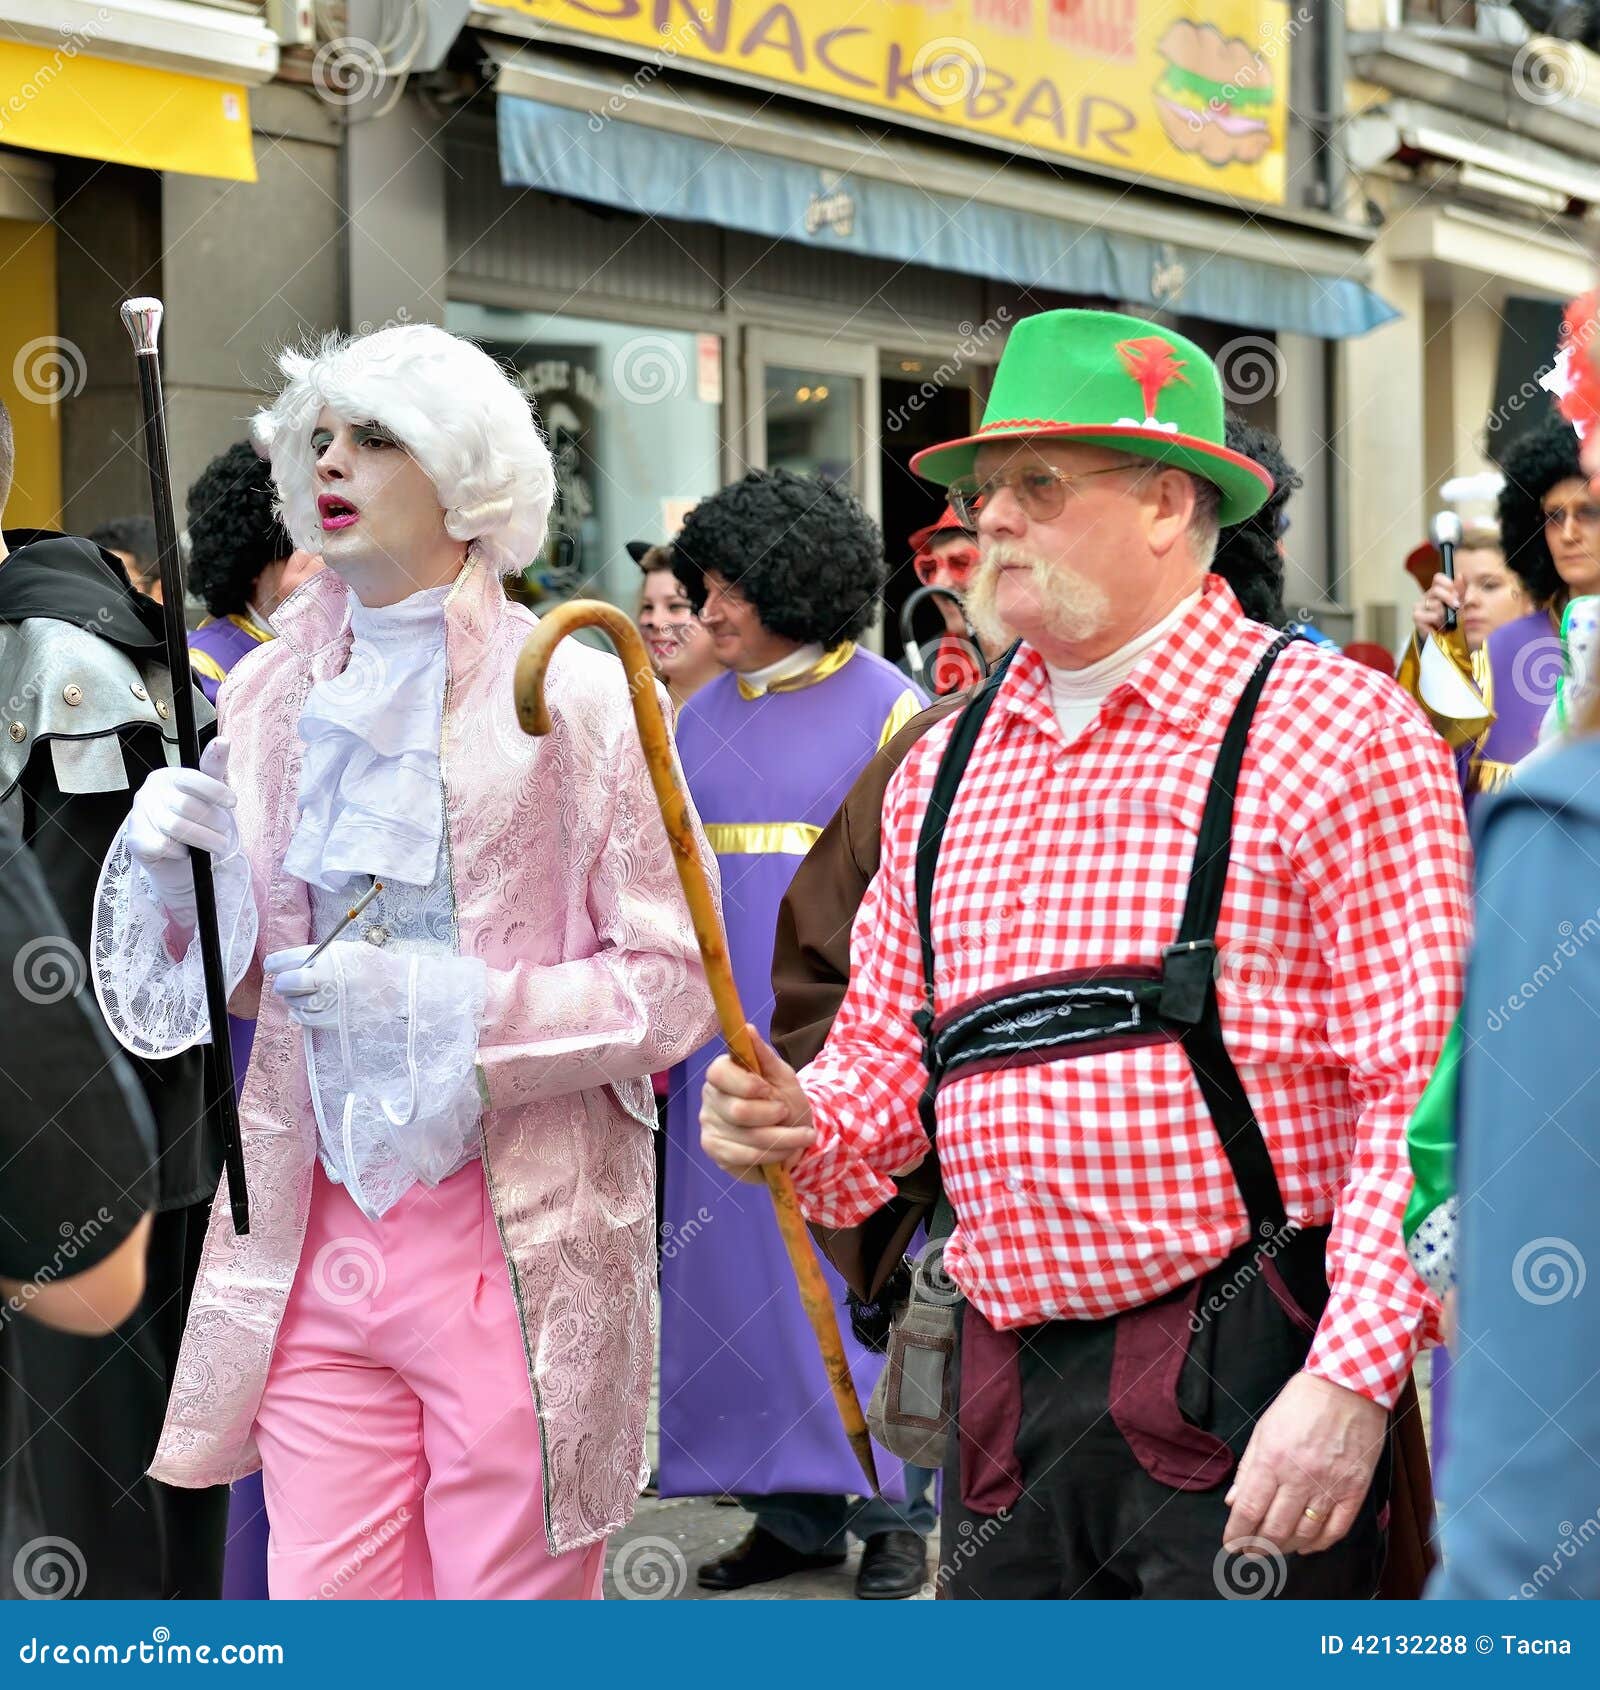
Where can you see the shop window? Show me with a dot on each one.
(633, 415)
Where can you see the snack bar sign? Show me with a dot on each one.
(1189, 91)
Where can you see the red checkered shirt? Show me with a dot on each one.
(1089, 1186)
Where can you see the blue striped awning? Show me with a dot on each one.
(658, 174)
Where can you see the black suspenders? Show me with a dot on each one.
(1181, 1004)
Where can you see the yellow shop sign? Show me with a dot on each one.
(1189, 91)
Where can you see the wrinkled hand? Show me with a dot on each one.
(311, 995)
(1315, 1447)
(177, 808)
(1428, 611)
(749, 1120)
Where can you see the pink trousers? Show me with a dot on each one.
(399, 1446)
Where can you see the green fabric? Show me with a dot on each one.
(1075, 375)
(1431, 1137)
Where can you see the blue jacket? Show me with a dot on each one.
(1520, 1489)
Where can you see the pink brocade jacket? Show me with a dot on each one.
(564, 886)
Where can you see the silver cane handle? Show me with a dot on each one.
(142, 319)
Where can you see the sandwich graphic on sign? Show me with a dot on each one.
(1215, 96)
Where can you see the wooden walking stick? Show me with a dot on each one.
(674, 805)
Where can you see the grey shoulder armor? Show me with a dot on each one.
(65, 685)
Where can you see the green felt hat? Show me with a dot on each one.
(1109, 380)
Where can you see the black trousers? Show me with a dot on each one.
(95, 1411)
(1082, 1517)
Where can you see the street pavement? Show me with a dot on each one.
(655, 1557)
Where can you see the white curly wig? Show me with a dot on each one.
(463, 419)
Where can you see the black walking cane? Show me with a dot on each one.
(1445, 532)
(143, 320)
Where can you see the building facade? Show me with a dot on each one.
(1474, 151)
(708, 233)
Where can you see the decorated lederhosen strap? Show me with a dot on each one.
(1083, 1012)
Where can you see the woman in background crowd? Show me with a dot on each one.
(680, 648)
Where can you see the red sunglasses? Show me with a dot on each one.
(956, 565)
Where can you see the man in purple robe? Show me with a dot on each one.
(785, 572)
(242, 566)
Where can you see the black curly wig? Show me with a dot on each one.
(233, 533)
(1533, 464)
(1247, 557)
(803, 551)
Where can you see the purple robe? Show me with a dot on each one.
(1526, 659)
(220, 643)
(745, 1404)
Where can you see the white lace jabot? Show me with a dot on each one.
(371, 794)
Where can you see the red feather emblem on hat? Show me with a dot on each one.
(1153, 365)
(1580, 404)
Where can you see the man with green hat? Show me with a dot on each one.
(1166, 939)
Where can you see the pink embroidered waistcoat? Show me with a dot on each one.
(564, 885)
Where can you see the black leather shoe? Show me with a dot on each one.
(758, 1559)
(894, 1565)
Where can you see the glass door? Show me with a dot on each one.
(812, 408)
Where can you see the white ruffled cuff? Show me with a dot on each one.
(155, 1004)
(404, 1085)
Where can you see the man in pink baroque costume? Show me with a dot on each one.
(436, 1339)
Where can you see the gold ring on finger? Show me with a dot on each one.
(1313, 1514)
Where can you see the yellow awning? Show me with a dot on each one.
(60, 101)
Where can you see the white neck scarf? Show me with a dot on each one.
(371, 792)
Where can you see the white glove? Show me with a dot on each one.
(311, 995)
(177, 808)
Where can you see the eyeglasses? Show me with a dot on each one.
(956, 565)
(1586, 515)
(1039, 489)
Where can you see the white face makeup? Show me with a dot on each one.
(382, 526)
